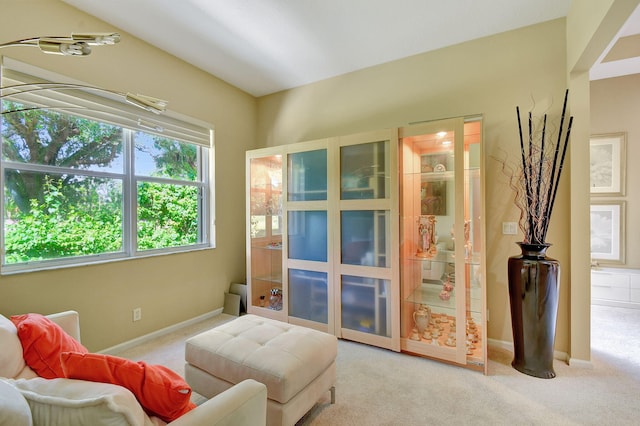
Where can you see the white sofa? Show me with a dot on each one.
(31, 400)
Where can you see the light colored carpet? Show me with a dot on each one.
(380, 387)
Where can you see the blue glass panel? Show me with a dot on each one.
(366, 305)
(364, 171)
(364, 237)
(308, 297)
(307, 231)
(307, 175)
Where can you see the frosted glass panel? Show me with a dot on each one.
(307, 175)
(307, 235)
(364, 171)
(308, 295)
(365, 237)
(366, 305)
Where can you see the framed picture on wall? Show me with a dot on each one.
(608, 164)
(607, 231)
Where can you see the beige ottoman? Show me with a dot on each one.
(297, 364)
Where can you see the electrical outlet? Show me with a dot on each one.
(137, 314)
(509, 228)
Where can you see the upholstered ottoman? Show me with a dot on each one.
(297, 364)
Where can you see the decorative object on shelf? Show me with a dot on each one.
(414, 334)
(533, 277)
(468, 245)
(263, 301)
(275, 300)
(421, 318)
(439, 168)
(427, 233)
(445, 295)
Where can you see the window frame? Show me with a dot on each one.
(130, 181)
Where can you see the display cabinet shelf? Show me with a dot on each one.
(429, 294)
(438, 176)
(446, 256)
(271, 279)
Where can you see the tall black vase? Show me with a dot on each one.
(534, 286)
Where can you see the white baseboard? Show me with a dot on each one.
(503, 344)
(580, 363)
(500, 344)
(114, 350)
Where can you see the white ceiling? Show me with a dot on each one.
(264, 46)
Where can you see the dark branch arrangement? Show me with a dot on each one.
(535, 182)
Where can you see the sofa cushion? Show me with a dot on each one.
(77, 402)
(160, 391)
(42, 342)
(15, 410)
(11, 359)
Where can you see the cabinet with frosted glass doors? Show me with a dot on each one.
(338, 238)
(443, 313)
(366, 262)
(288, 268)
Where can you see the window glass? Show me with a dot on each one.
(50, 138)
(167, 215)
(156, 156)
(65, 216)
(66, 185)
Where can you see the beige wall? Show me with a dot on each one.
(489, 76)
(615, 105)
(171, 288)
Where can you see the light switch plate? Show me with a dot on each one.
(509, 228)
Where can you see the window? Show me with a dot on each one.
(95, 180)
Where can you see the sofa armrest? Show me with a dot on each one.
(69, 321)
(244, 404)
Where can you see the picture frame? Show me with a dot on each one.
(608, 164)
(433, 186)
(433, 198)
(608, 231)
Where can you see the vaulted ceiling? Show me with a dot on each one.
(264, 46)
